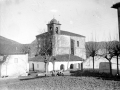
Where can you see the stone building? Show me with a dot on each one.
(57, 43)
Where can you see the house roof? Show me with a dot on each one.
(11, 49)
(37, 59)
(65, 57)
(117, 5)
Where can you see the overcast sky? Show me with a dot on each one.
(22, 20)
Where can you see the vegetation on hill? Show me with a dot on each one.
(8, 46)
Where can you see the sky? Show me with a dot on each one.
(22, 20)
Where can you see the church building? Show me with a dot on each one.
(66, 50)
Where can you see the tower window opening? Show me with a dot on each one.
(78, 43)
(56, 30)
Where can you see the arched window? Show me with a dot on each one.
(71, 66)
(51, 30)
(62, 67)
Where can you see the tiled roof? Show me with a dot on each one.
(43, 34)
(69, 33)
(37, 59)
(65, 57)
(11, 49)
(61, 33)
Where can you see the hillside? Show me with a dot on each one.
(33, 48)
(4, 40)
(8, 46)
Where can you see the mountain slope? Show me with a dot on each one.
(8, 46)
(4, 40)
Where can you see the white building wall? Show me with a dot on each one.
(15, 65)
(40, 66)
(50, 66)
(57, 65)
(101, 64)
(66, 65)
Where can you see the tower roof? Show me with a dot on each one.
(53, 21)
(117, 5)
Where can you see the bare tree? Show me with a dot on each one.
(109, 54)
(46, 50)
(116, 52)
(48, 43)
(26, 49)
(91, 50)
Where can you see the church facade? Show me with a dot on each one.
(61, 46)
(58, 42)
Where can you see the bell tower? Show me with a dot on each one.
(54, 27)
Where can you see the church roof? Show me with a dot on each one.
(117, 5)
(70, 33)
(53, 21)
(61, 33)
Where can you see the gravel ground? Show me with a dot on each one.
(60, 83)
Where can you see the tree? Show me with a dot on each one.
(91, 50)
(116, 52)
(45, 46)
(26, 49)
(109, 54)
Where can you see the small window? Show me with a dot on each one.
(56, 30)
(77, 43)
(37, 65)
(16, 60)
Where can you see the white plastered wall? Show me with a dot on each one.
(15, 65)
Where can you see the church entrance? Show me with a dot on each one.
(33, 66)
(71, 66)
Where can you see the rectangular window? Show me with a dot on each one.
(77, 43)
(72, 46)
(37, 65)
(16, 60)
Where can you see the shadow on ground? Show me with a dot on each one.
(97, 75)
